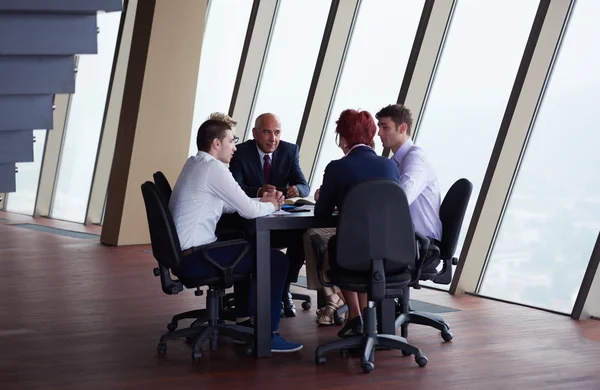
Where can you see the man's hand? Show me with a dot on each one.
(292, 192)
(275, 197)
(266, 189)
(316, 195)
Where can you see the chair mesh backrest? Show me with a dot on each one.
(452, 214)
(163, 185)
(375, 223)
(163, 235)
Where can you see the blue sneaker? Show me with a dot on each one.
(281, 345)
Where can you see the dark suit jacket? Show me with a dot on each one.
(247, 169)
(362, 163)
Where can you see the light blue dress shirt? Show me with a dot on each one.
(421, 184)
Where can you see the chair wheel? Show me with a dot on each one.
(339, 321)
(196, 356)
(447, 336)
(306, 305)
(405, 353)
(421, 360)
(367, 367)
(172, 326)
(320, 360)
(161, 348)
(344, 353)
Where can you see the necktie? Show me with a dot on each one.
(267, 169)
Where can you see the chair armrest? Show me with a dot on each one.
(223, 244)
(423, 246)
(227, 271)
(317, 242)
(444, 276)
(169, 286)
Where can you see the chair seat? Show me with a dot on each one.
(211, 281)
(359, 281)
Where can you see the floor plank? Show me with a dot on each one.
(76, 314)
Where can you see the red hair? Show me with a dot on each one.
(357, 127)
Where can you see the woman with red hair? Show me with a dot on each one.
(355, 131)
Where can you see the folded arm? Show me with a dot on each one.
(225, 187)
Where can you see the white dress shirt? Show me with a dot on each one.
(421, 184)
(204, 191)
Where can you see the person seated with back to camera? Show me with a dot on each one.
(355, 130)
(267, 164)
(335, 300)
(205, 189)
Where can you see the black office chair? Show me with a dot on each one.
(376, 252)
(167, 251)
(229, 227)
(163, 185)
(223, 233)
(452, 214)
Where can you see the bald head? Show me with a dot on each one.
(267, 119)
(267, 132)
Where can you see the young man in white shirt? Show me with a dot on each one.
(204, 191)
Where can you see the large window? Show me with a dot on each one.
(222, 46)
(374, 67)
(290, 63)
(471, 88)
(23, 200)
(84, 124)
(553, 216)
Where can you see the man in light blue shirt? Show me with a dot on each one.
(418, 178)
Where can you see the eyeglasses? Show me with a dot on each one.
(236, 139)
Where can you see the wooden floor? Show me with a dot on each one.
(75, 314)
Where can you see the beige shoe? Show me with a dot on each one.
(326, 316)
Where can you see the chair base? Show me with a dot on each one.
(368, 343)
(307, 304)
(199, 316)
(407, 316)
(422, 318)
(199, 333)
(203, 333)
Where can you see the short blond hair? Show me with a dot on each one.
(219, 116)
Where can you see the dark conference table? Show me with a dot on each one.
(263, 226)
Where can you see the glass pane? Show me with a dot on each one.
(23, 200)
(222, 46)
(279, 93)
(471, 88)
(553, 216)
(373, 69)
(84, 124)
